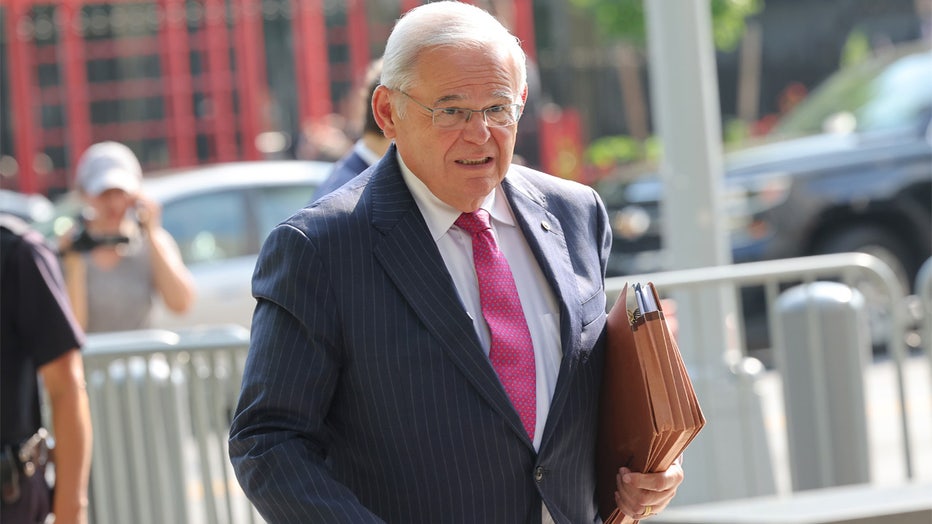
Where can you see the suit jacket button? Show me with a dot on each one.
(539, 474)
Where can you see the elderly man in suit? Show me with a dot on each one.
(428, 340)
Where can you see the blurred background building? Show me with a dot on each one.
(187, 82)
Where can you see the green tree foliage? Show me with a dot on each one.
(623, 22)
(624, 19)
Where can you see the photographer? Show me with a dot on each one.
(120, 256)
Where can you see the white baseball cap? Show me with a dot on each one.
(109, 165)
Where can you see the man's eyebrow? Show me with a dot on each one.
(450, 98)
(504, 94)
(508, 95)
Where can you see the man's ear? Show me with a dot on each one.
(382, 110)
(524, 95)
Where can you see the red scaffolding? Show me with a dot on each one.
(180, 81)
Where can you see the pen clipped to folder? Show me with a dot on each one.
(648, 408)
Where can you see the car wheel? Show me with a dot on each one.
(891, 251)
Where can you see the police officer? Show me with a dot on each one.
(39, 336)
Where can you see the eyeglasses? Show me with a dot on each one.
(457, 117)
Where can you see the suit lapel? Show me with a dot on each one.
(545, 235)
(410, 257)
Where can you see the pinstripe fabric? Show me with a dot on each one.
(366, 395)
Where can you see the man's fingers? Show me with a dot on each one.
(636, 492)
(669, 479)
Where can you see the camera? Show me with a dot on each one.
(83, 241)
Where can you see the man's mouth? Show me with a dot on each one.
(476, 162)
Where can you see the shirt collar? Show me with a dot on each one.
(440, 216)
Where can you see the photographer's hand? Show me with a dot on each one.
(149, 214)
(172, 279)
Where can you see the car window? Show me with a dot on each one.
(210, 226)
(903, 94)
(275, 204)
(874, 96)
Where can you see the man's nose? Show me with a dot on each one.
(477, 127)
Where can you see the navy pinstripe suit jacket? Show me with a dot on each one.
(366, 395)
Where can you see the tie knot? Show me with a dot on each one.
(474, 222)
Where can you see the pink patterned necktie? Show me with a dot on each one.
(511, 352)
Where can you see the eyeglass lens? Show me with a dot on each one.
(496, 116)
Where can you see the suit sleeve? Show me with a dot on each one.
(279, 437)
(604, 232)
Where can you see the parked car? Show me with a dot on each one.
(219, 215)
(848, 169)
(30, 208)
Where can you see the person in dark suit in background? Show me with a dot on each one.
(370, 146)
(428, 339)
(40, 336)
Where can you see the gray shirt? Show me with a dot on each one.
(120, 298)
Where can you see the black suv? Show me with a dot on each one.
(849, 169)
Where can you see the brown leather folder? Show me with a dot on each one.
(648, 408)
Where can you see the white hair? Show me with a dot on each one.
(444, 24)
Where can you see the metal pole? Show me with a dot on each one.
(725, 462)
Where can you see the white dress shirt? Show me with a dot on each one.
(537, 299)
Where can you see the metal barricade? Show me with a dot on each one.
(924, 290)
(772, 276)
(161, 407)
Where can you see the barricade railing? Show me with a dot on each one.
(161, 408)
(849, 268)
(924, 291)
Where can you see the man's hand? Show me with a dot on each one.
(641, 495)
